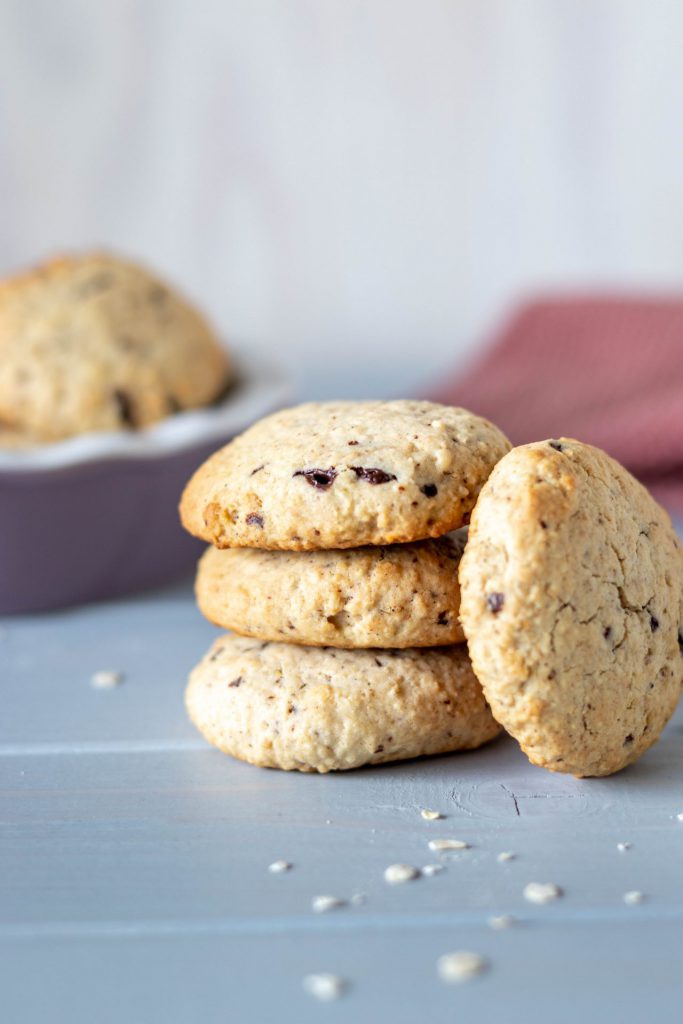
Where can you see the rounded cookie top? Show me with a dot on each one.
(319, 709)
(572, 604)
(95, 343)
(344, 474)
(401, 595)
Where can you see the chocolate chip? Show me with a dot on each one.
(157, 294)
(373, 476)
(320, 478)
(254, 519)
(680, 640)
(543, 524)
(216, 654)
(124, 407)
(442, 619)
(430, 490)
(352, 442)
(495, 602)
(255, 471)
(379, 749)
(236, 682)
(556, 445)
(607, 632)
(628, 739)
(99, 282)
(654, 623)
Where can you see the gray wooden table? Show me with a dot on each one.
(134, 859)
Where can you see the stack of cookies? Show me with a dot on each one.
(334, 567)
(334, 564)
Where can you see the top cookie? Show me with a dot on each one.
(95, 343)
(344, 474)
(572, 604)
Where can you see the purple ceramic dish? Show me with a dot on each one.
(96, 516)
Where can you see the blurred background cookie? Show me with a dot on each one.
(97, 343)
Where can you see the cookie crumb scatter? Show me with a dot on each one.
(278, 866)
(442, 845)
(505, 856)
(633, 896)
(542, 892)
(396, 874)
(456, 967)
(106, 679)
(431, 815)
(321, 904)
(325, 987)
(623, 847)
(432, 869)
(502, 921)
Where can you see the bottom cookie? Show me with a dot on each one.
(318, 709)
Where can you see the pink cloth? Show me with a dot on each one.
(604, 370)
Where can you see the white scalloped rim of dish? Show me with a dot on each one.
(260, 389)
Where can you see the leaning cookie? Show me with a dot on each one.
(344, 474)
(403, 595)
(319, 710)
(572, 604)
(96, 343)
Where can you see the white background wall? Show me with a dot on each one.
(359, 188)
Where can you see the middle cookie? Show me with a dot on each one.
(401, 595)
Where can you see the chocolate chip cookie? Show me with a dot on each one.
(344, 474)
(91, 343)
(318, 709)
(402, 595)
(572, 604)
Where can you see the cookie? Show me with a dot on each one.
(94, 343)
(403, 595)
(343, 474)
(572, 604)
(318, 710)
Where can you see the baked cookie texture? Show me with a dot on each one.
(93, 342)
(319, 710)
(572, 604)
(402, 595)
(344, 474)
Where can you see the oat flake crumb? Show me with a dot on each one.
(502, 921)
(396, 874)
(456, 967)
(432, 869)
(431, 815)
(278, 866)
(623, 847)
(634, 896)
(506, 855)
(106, 679)
(321, 904)
(325, 987)
(542, 892)
(441, 845)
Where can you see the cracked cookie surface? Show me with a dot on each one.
(93, 342)
(401, 595)
(344, 474)
(572, 604)
(317, 709)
